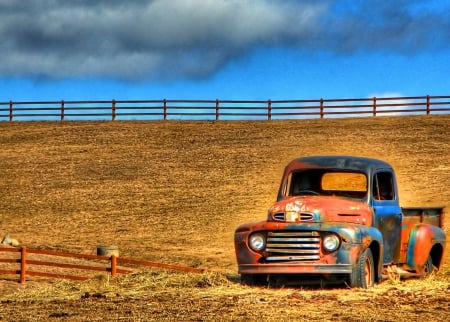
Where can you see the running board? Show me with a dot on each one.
(397, 272)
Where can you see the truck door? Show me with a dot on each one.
(387, 214)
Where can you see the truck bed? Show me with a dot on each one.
(429, 215)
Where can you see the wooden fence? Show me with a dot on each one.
(69, 269)
(222, 109)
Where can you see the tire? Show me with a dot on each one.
(363, 274)
(253, 279)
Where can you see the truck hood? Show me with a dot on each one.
(321, 209)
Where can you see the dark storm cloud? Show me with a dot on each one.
(138, 39)
(403, 26)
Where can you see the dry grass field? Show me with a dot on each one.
(174, 191)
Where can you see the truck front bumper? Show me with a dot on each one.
(295, 268)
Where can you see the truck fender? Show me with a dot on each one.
(373, 239)
(422, 239)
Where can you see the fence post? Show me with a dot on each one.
(428, 105)
(165, 109)
(10, 111)
(62, 110)
(374, 112)
(269, 109)
(113, 265)
(321, 109)
(113, 110)
(23, 264)
(217, 109)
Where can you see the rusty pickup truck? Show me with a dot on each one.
(337, 219)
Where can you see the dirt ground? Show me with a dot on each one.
(174, 192)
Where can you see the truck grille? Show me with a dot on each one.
(293, 246)
(304, 216)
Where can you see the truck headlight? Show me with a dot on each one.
(331, 242)
(257, 241)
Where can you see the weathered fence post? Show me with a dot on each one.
(428, 105)
(113, 110)
(10, 111)
(165, 109)
(217, 109)
(113, 265)
(374, 107)
(62, 110)
(23, 264)
(269, 109)
(321, 109)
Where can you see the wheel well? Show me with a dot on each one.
(375, 249)
(436, 255)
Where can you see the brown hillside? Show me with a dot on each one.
(174, 191)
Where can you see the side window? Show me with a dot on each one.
(383, 187)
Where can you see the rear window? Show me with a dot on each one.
(344, 181)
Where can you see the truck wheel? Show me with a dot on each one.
(253, 279)
(363, 274)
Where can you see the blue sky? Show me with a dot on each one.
(225, 49)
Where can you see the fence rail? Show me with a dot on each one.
(222, 109)
(21, 263)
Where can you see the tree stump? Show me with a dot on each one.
(108, 251)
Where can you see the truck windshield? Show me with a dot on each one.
(328, 183)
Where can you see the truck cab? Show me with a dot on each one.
(338, 219)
